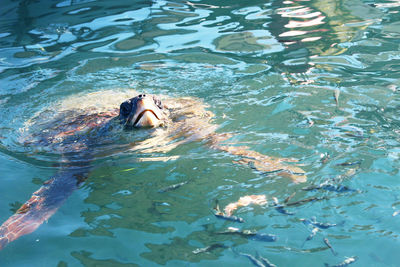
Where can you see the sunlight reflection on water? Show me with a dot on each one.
(314, 81)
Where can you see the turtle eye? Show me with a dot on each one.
(125, 109)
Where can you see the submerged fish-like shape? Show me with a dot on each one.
(328, 244)
(232, 218)
(280, 207)
(257, 260)
(349, 163)
(219, 214)
(266, 262)
(254, 260)
(319, 225)
(306, 200)
(208, 248)
(250, 234)
(311, 236)
(172, 187)
(346, 262)
(329, 187)
(323, 225)
(289, 197)
(263, 237)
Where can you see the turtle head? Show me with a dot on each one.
(142, 111)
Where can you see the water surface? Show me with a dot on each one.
(269, 71)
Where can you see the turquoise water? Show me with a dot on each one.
(269, 71)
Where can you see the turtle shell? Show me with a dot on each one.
(90, 121)
(74, 123)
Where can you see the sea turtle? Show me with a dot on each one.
(86, 127)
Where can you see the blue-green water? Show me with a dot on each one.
(268, 70)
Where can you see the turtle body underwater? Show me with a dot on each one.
(82, 128)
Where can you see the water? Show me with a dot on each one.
(268, 71)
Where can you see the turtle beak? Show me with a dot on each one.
(146, 114)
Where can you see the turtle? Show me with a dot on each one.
(85, 127)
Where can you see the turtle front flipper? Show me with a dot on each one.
(42, 205)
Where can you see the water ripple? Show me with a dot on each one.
(316, 81)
